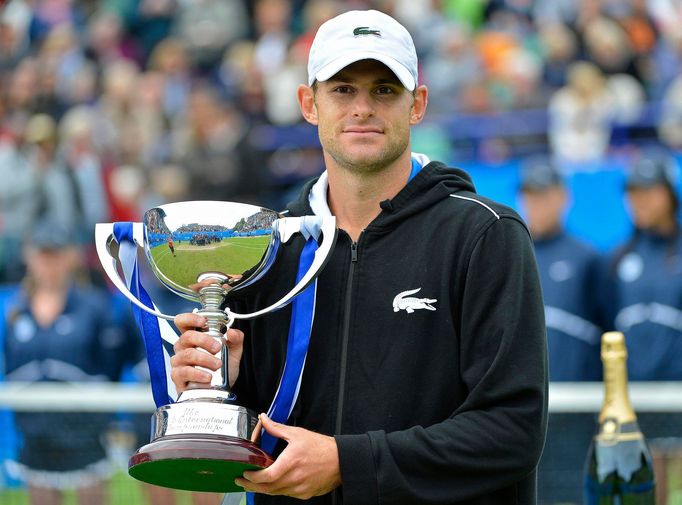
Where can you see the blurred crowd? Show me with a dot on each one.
(109, 107)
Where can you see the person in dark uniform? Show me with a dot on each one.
(59, 330)
(645, 273)
(644, 294)
(569, 271)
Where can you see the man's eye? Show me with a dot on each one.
(384, 90)
(342, 89)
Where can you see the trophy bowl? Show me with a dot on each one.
(191, 245)
(202, 250)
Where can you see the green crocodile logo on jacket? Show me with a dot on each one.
(364, 30)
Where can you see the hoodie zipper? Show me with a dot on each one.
(344, 348)
(345, 335)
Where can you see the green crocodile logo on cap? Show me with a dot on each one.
(364, 30)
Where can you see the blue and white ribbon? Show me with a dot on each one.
(154, 330)
(300, 327)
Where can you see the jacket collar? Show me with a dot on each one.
(317, 198)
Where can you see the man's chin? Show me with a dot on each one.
(367, 164)
(364, 159)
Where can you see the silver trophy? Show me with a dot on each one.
(202, 250)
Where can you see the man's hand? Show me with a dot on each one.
(188, 355)
(308, 466)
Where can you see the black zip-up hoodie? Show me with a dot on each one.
(427, 359)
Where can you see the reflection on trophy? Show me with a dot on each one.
(202, 251)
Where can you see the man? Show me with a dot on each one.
(568, 274)
(644, 285)
(645, 272)
(395, 406)
(171, 245)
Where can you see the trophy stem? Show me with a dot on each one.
(212, 298)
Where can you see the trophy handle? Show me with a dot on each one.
(104, 236)
(286, 228)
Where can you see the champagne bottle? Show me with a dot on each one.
(618, 470)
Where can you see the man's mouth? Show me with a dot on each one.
(363, 130)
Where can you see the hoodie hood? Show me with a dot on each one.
(435, 182)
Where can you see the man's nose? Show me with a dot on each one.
(363, 105)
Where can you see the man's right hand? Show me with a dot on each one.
(188, 355)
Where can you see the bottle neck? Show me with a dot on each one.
(616, 404)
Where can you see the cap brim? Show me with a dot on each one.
(340, 63)
(536, 188)
(47, 245)
(644, 183)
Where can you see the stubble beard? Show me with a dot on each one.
(368, 164)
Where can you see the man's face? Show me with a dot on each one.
(544, 210)
(651, 207)
(364, 115)
(52, 267)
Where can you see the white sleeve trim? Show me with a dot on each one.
(497, 216)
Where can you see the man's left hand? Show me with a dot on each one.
(307, 467)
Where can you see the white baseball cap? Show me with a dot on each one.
(362, 35)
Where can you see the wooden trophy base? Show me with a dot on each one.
(208, 463)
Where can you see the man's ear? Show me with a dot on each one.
(421, 99)
(306, 101)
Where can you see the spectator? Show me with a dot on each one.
(21, 95)
(14, 41)
(18, 205)
(580, 115)
(55, 193)
(452, 65)
(168, 183)
(666, 61)
(153, 23)
(57, 329)
(644, 286)
(281, 108)
(556, 11)
(272, 20)
(62, 52)
(120, 127)
(171, 63)
(643, 35)
(666, 14)
(670, 125)
(84, 165)
(215, 149)
(559, 45)
(627, 99)
(645, 273)
(607, 45)
(104, 38)
(127, 186)
(242, 80)
(209, 27)
(568, 273)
